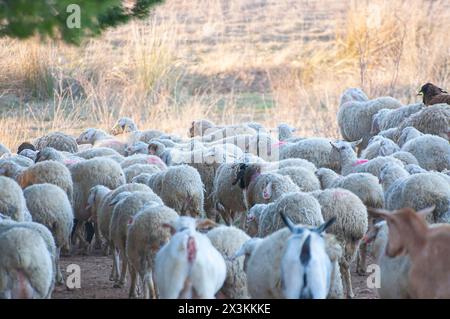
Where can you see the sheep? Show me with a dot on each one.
(46, 235)
(432, 152)
(126, 125)
(344, 154)
(58, 140)
(406, 158)
(12, 201)
(99, 138)
(227, 240)
(355, 117)
(143, 159)
(43, 172)
(227, 198)
(353, 94)
(386, 119)
(285, 131)
(87, 174)
(302, 208)
(350, 227)
(136, 148)
(18, 159)
(426, 247)
(209, 132)
(125, 207)
(414, 169)
(49, 153)
(181, 188)
(316, 150)
(289, 162)
(145, 236)
(99, 204)
(25, 265)
(433, 95)
(303, 178)
(418, 191)
(431, 120)
(379, 146)
(50, 206)
(363, 185)
(264, 266)
(97, 152)
(389, 133)
(262, 188)
(189, 266)
(136, 169)
(406, 134)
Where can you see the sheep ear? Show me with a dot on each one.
(382, 213)
(267, 192)
(356, 143)
(288, 222)
(171, 228)
(334, 145)
(325, 225)
(204, 223)
(426, 211)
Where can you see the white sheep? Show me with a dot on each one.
(145, 236)
(227, 240)
(432, 152)
(50, 206)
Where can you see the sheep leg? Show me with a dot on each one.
(83, 244)
(97, 240)
(345, 273)
(115, 269)
(133, 275)
(59, 277)
(145, 286)
(123, 272)
(361, 260)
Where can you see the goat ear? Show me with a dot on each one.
(356, 143)
(204, 223)
(382, 213)
(426, 211)
(288, 222)
(267, 191)
(325, 225)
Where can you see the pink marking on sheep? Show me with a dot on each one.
(280, 143)
(360, 161)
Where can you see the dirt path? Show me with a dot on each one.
(95, 284)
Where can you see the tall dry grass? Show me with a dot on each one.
(230, 61)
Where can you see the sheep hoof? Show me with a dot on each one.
(97, 245)
(118, 285)
(361, 272)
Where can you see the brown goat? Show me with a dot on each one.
(428, 249)
(434, 95)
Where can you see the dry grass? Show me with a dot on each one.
(228, 60)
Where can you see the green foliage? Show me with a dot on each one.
(48, 18)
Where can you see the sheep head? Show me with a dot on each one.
(246, 174)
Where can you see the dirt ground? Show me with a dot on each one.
(95, 284)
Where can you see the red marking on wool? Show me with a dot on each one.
(280, 143)
(70, 161)
(191, 250)
(339, 194)
(266, 194)
(360, 161)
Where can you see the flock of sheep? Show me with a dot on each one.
(235, 211)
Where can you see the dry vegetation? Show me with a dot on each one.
(228, 60)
